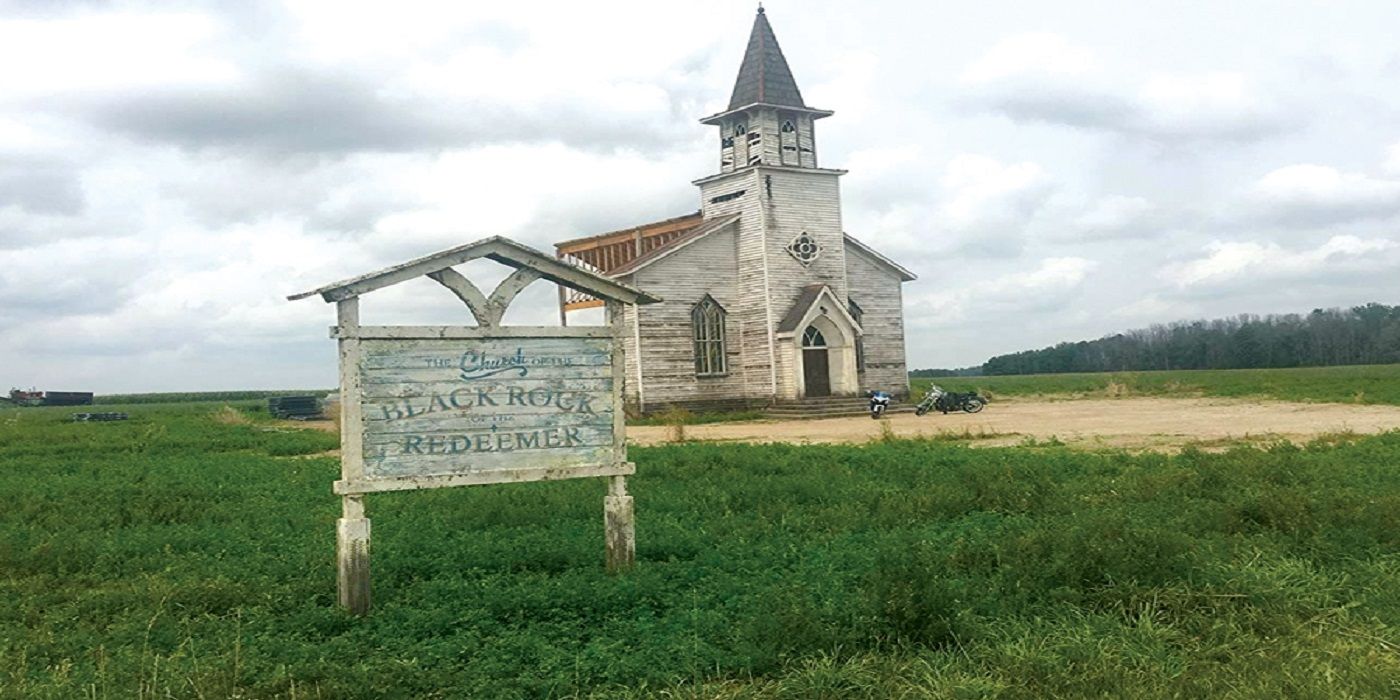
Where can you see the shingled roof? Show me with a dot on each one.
(764, 76)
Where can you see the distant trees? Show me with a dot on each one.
(959, 372)
(1360, 335)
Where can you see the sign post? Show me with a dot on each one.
(438, 406)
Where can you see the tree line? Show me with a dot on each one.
(1359, 335)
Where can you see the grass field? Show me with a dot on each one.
(1366, 384)
(195, 396)
(189, 553)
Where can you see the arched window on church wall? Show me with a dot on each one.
(707, 330)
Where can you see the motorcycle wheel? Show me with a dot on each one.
(875, 413)
(973, 405)
(920, 410)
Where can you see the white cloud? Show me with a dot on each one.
(1392, 160)
(1115, 216)
(1046, 78)
(986, 203)
(1036, 53)
(108, 51)
(1227, 262)
(1311, 194)
(1048, 286)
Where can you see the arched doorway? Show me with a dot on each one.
(816, 370)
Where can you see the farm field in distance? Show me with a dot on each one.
(1364, 384)
(189, 552)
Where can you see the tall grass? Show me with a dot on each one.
(1364, 384)
(178, 556)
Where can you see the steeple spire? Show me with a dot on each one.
(764, 76)
(766, 123)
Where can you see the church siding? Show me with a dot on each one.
(750, 307)
(801, 202)
(667, 356)
(772, 142)
(631, 386)
(878, 291)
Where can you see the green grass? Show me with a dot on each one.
(176, 556)
(194, 396)
(1365, 384)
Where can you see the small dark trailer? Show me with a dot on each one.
(68, 398)
(294, 407)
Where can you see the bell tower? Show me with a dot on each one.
(766, 123)
(788, 235)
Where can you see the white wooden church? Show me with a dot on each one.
(765, 299)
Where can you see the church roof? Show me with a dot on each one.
(809, 296)
(904, 274)
(764, 76)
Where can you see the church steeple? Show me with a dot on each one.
(764, 76)
(767, 121)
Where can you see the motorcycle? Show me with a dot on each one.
(936, 399)
(879, 403)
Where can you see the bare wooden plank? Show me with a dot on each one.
(351, 419)
(476, 302)
(352, 556)
(352, 529)
(427, 332)
(390, 420)
(504, 476)
(441, 413)
(509, 288)
(438, 453)
(618, 324)
(619, 529)
(390, 388)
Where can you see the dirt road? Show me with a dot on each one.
(1134, 423)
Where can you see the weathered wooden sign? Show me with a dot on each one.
(483, 410)
(436, 406)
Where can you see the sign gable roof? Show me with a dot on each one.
(502, 250)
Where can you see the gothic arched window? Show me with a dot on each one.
(707, 330)
(813, 338)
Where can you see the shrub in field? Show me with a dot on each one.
(228, 415)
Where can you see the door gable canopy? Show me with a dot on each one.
(817, 301)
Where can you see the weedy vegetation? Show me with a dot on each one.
(181, 555)
(1360, 384)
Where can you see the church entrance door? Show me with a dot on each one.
(816, 373)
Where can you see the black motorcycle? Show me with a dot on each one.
(939, 400)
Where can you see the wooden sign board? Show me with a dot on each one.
(449, 411)
(436, 406)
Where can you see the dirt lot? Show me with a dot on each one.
(1135, 423)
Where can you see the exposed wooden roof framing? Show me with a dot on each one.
(607, 252)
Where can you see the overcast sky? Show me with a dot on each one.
(1053, 171)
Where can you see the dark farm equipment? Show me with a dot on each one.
(34, 397)
(97, 417)
(294, 407)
